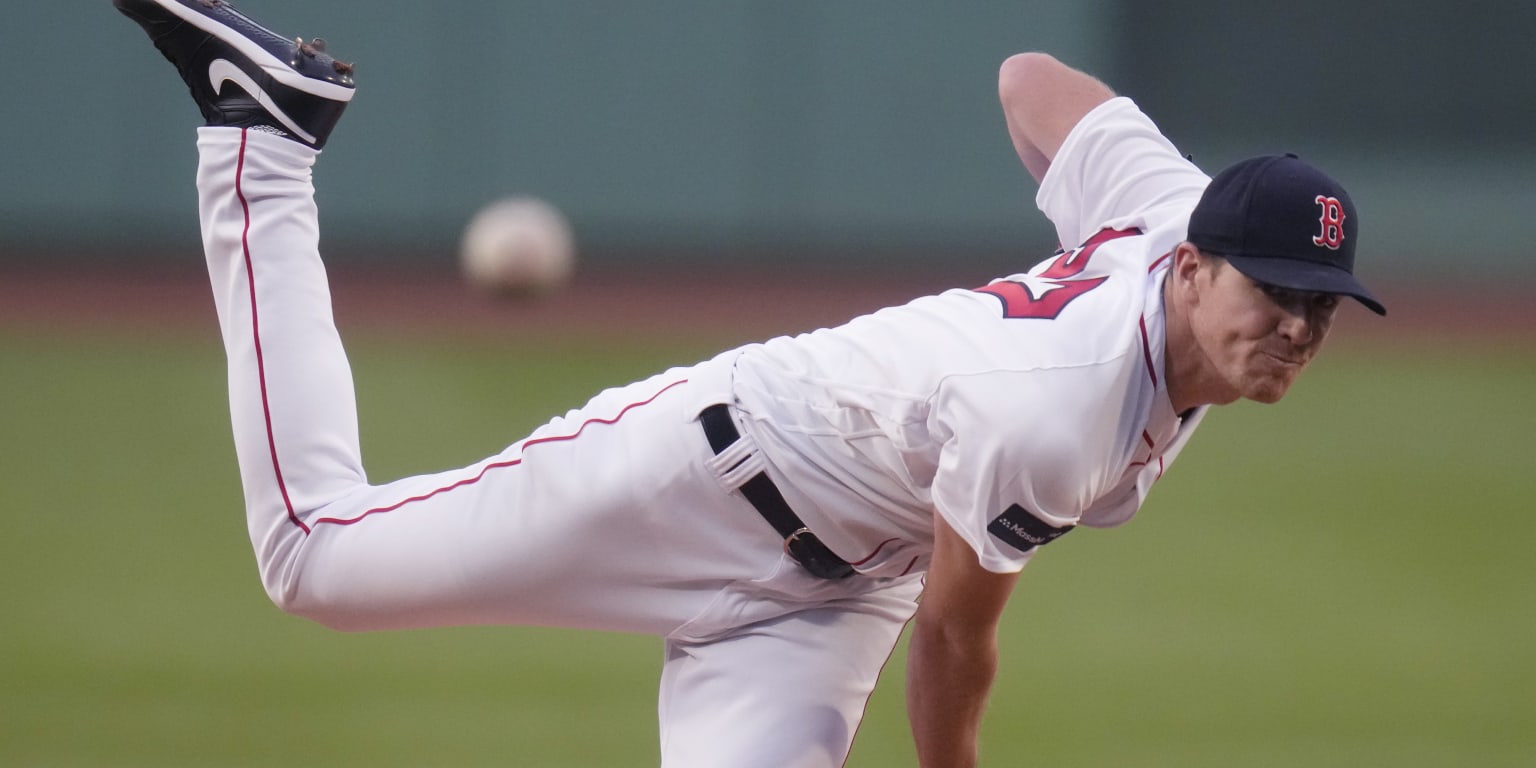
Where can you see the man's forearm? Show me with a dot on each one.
(948, 681)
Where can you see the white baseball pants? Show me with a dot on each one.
(611, 517)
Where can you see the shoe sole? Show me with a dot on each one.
(274, 67)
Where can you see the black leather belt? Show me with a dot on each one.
(799, 542)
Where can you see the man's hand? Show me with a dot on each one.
(953, 653)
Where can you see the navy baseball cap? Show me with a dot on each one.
(1281, 221)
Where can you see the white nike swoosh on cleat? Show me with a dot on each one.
(259, 56)
(223, 70)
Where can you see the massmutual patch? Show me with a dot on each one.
(1023, 531)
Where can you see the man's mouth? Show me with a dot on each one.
(1287, 361)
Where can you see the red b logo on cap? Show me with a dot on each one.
(1332, 221)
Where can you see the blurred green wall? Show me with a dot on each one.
(801, 131)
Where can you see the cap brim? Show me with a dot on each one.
(1306, 276)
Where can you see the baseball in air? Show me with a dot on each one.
(517, 246)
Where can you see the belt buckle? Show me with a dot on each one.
(794, 538)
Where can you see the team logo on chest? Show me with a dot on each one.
(1332, 223)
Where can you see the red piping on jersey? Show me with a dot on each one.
(871, 555)
(501, 464)
(1146, 351)
(1146, 346)
(1146, 437)
(261, 366)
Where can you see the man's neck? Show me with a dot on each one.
(1184, 364)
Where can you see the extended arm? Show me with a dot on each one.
(1042, 100)
(953, 653)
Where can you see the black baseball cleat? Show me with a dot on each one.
(288, 87)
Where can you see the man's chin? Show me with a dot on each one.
(1268, 391)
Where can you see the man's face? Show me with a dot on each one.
(1258, 338)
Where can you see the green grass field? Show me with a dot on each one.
(1344, 579)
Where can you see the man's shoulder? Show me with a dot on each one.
(1117, 168)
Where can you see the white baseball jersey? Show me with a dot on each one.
(1016, 410)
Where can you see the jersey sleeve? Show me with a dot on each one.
(1116, 170)
(1021, 459)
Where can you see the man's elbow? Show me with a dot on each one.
(1019, 78)
(955, 638)
(966, 658)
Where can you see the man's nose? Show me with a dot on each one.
(1297, 325)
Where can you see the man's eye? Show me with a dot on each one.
(1326, 301)
(1275, 292)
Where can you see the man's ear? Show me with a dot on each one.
(1187, 264)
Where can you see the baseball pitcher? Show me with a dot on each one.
(779, 513)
